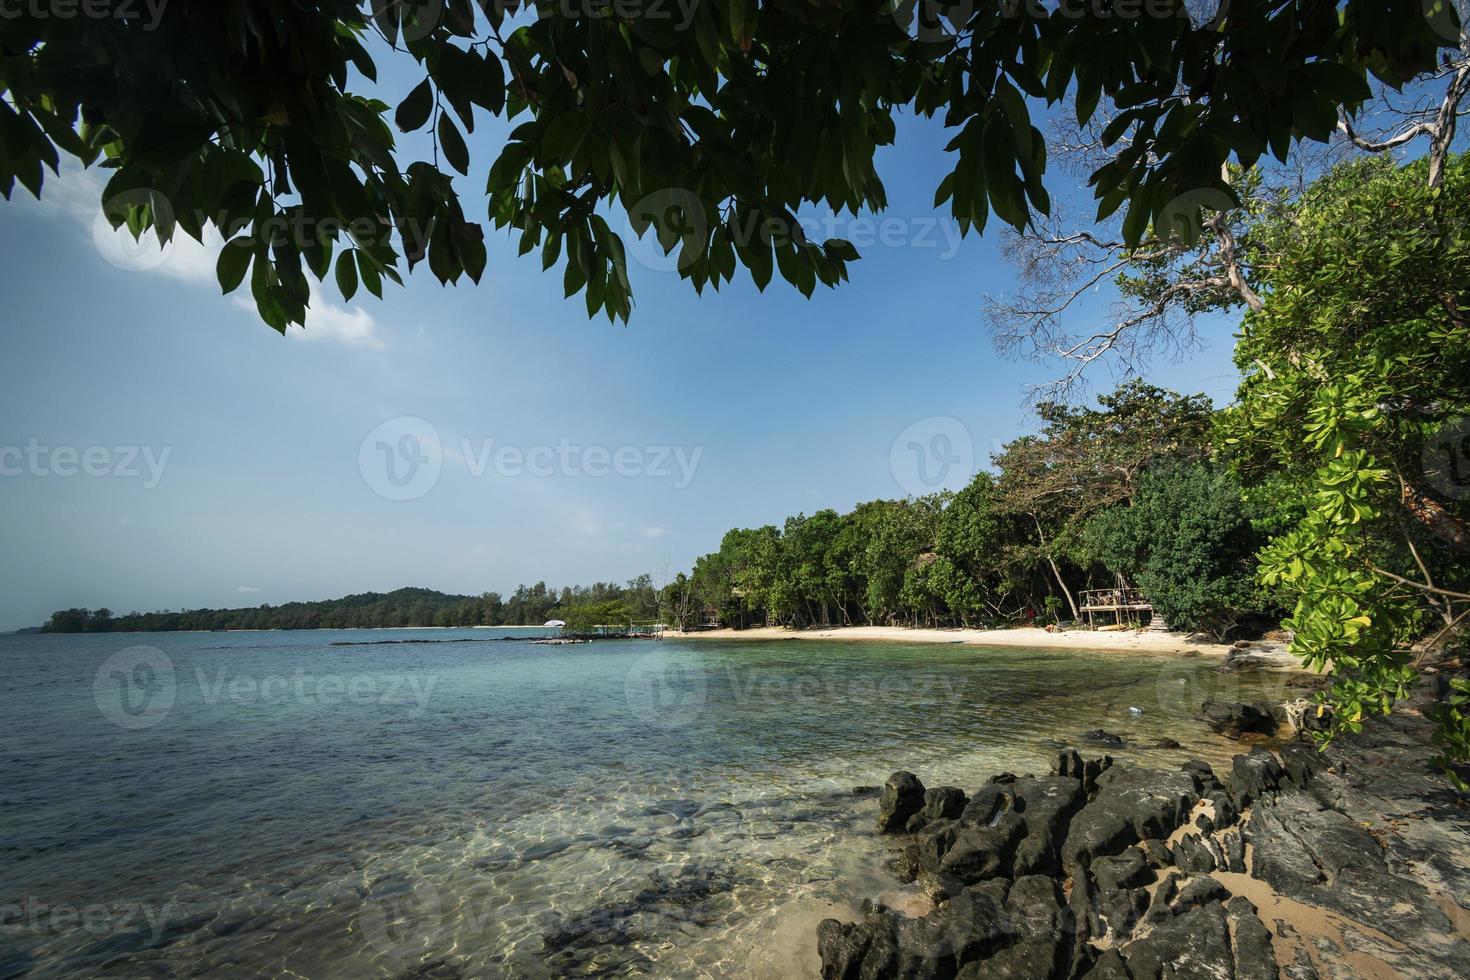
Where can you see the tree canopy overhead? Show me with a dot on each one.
(713, 121)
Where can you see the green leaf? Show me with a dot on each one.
(452, 143)
(414, 111)
(234, 260)
(347, 274)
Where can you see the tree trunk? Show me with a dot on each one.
(1056, 571)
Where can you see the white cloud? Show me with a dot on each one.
(652, 530)
(246, 588)
(76, 195)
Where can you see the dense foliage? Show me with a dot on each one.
(527, 606)
(714, 122)
(1007, 548)
(1356, 395)
(1189, 543)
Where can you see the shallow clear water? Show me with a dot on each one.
(326, 805)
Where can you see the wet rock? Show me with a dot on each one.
(903, 796)
(866, 790)
(1167, 743)
(1131, 805)
(1099, 737)
(1236, 718)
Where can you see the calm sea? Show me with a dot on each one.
(324, 804)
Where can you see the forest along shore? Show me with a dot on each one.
(1349, 863)
(1035, 637)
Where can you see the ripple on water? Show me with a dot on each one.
(528, 819)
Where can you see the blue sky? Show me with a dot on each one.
(267, 493)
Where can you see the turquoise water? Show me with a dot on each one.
(326, 805)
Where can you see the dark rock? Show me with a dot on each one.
(1109, 966)
(866, 790)
(1192, 946)
(903, 796)
(1205, 780)
(992, 800)
(1167, 743)
(1131, 805)
(1099, 737)
(944, 803)
(1157, 853)
(980, 853)
(1205, 824)
(1199, 891)
(1038, 927)
(1192, 854)
(1236, 718)
(1121, 898)
(1045, 805)
(1254, 957)
(1069, 763)
(926, 851)
(1127, 870)
(1226, 812)
(1234, 847)
(1254, 775)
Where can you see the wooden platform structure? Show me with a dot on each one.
(1125, 604)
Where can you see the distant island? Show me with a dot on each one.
(528, 606)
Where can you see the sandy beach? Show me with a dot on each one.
(1035, 637)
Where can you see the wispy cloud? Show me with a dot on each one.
(652, 530)
(246, 588)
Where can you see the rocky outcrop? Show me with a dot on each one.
(903, 796)
(1109, 871)
(1236, 718)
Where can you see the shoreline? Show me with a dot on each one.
(1028, 637)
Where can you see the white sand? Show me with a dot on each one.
(1035, 637)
